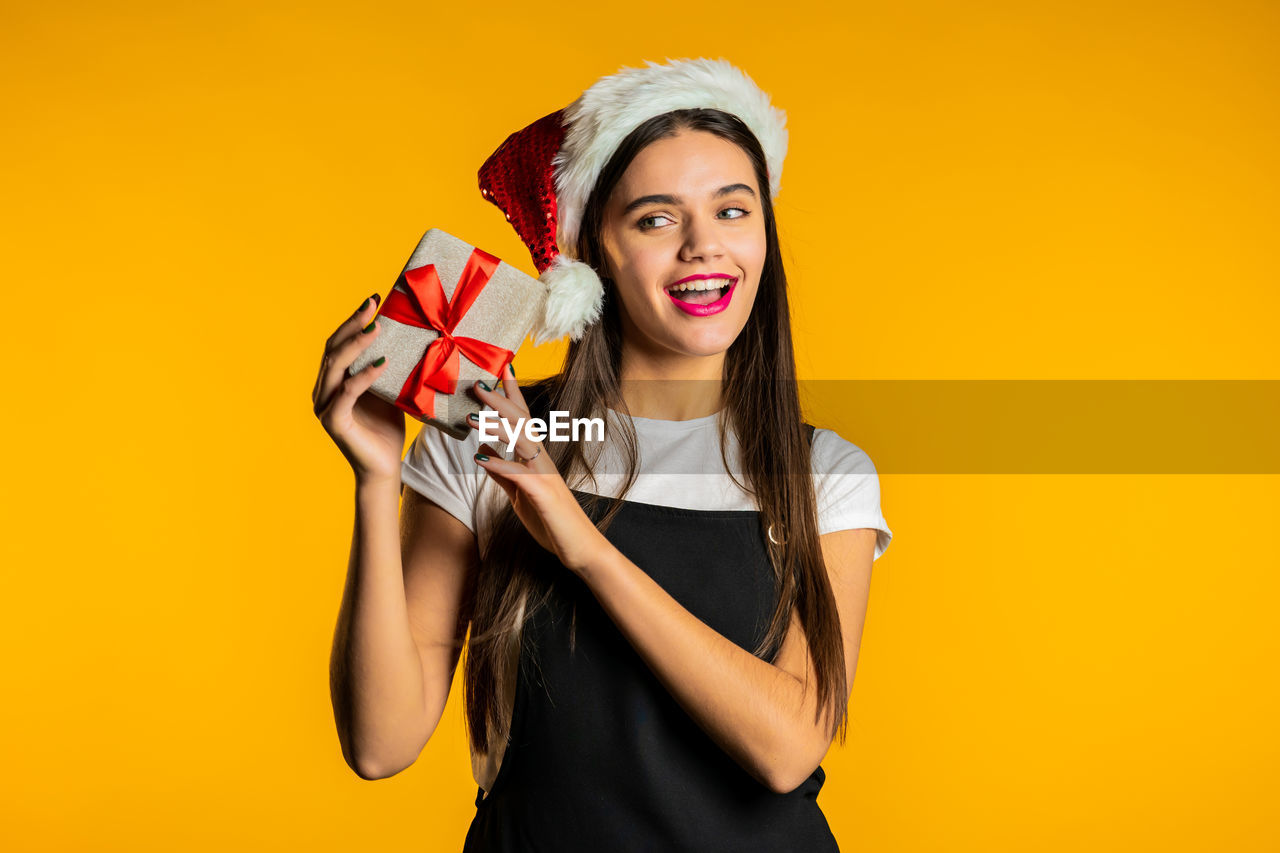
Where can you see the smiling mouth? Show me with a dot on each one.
(702, 296)
(701, 291)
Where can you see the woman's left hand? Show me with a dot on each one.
(538, 493)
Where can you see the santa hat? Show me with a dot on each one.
(541, 176)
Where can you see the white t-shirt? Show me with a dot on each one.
(680, 465)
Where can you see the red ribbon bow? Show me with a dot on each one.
(423, 305)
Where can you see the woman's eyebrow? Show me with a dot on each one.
(664, 198)
(652, 199)
(735, 188)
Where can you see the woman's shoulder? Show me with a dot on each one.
(832, 453)
(847, 488)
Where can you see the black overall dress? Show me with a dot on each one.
(601, 757)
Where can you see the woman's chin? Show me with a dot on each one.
(704, 342)
(695, 337)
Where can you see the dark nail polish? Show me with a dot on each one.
(485, 386)
(377, 300)
(480, 457)
(363, 305)
(369, 328)
(379, 361)
(473, 418)
(512, 368)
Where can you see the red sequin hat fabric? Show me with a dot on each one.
(519, 179)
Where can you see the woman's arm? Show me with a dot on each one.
(393, 651)
(759, 713)
(403, 616)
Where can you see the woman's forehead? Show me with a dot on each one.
(693, 165)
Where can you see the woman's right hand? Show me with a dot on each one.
(367, 429)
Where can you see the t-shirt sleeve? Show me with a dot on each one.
(440, 468)
(847, 488)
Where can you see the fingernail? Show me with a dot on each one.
(369, 328)
(485, 386)
(363, 305)
(379, 361)
(512, 368)
(472, 417)
(377, 300)
(480, 457)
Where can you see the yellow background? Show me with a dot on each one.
(195, 196)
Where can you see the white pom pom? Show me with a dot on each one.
(575, 296)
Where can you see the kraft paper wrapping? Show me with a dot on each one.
(503, 314)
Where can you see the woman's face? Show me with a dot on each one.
(686, 213)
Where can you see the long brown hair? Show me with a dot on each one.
(761, 406)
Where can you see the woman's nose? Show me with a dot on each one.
(701, 242)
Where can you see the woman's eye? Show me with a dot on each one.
(651, 221)
(738, 212)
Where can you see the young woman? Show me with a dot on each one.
(661, 628)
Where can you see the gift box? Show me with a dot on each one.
(455, 315)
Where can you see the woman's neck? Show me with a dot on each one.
(676, 388)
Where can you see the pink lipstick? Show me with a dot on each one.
(710, 308)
